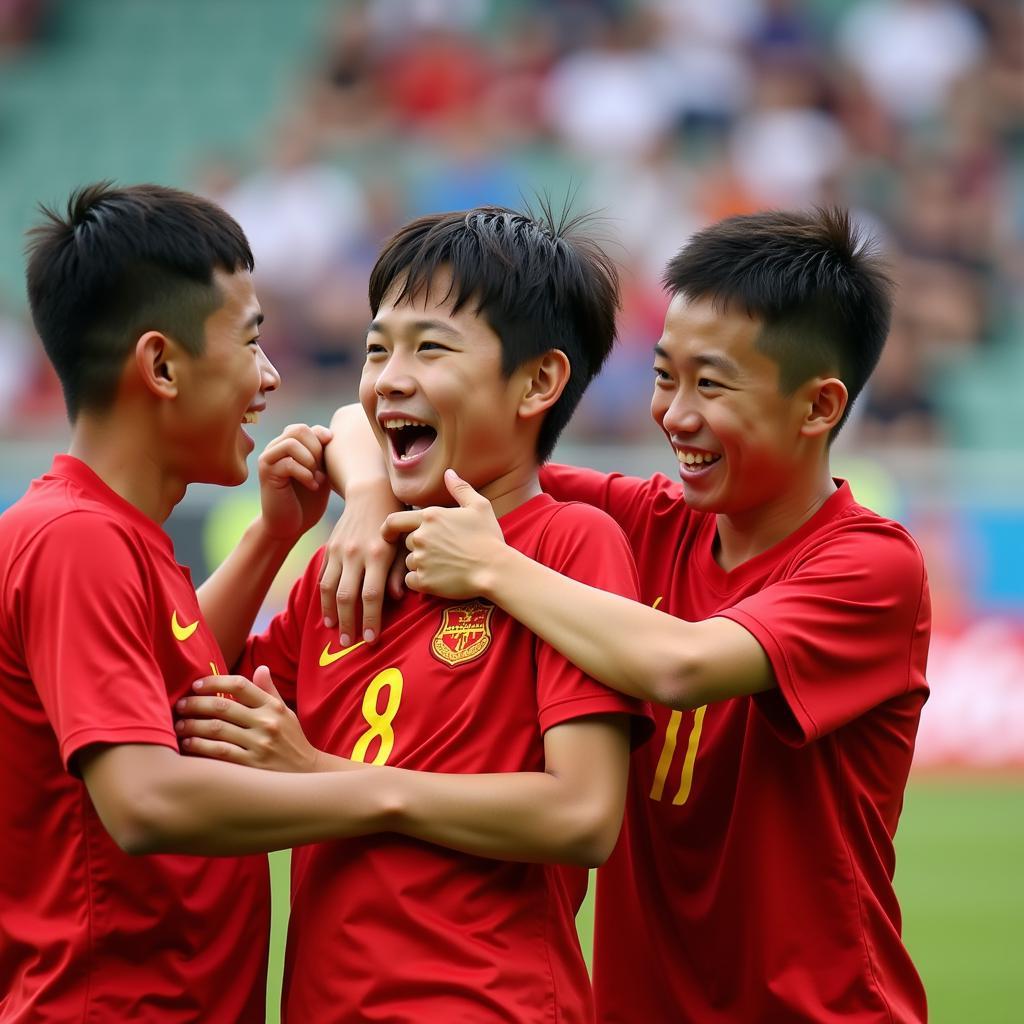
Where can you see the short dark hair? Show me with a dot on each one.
(539, 284)
(120, 262)
(817, 284)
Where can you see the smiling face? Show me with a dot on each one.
(717, 398)
(433, 389)
(224, 387)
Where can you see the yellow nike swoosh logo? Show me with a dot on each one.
(182, 632)
(327, 658)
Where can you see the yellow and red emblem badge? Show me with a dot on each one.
(464, 634)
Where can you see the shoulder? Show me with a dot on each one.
(865, 552)
(568, 516)
(869, 537)
(84, 536)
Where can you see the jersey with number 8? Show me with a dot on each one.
(390, 928)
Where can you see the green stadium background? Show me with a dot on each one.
(324, 125)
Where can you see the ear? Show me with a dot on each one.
(545, 380)
(827, 398)
(157, 364)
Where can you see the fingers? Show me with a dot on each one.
(330, 578)
(346, 598)
(297, 454)
(462, 492)
(241, 690)
(291, 458)
(400, 522)
(262, 679)
(212, 730)
(374, 579)
(396, 574)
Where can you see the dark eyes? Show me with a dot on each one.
(373, 349)
(704, 383)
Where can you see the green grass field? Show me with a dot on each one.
(960, 857)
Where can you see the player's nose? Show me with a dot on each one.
(394, 379)
(270, 379)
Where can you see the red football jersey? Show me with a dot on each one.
(100, 632)
(388, 928)
(753, 878)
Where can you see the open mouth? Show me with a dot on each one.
(691, 461)
(251, 417)
(409, 438)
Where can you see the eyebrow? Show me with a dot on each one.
(718, 362)
(419, 326)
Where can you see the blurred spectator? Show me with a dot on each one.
(662, 115)
(896, 407)
(615, 97)
(786, 148)
(910, 52)
(297, 211)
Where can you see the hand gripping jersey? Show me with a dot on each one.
(100, 633)
(388, 928)
(753, 878)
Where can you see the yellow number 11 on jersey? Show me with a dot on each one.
(668, 751)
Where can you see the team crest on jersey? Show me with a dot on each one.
(464, 634)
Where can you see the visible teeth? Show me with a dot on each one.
(695, 458)
(251, 417)
(398, 424)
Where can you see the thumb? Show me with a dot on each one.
(261, 677)
(462, 492)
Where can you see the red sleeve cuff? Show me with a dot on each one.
(782, 705)
(81, 738)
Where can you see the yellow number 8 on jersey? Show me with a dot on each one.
(380, 721)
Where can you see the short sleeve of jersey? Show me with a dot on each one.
(584, 544)
(82, 608)
(279, 645)
(628, 500)
(844, 633)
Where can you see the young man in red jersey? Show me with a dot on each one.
(753, 880)
(487, 327)
(144, 302)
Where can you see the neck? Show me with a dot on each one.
(512, 489)
(126, 457)
(744, 535)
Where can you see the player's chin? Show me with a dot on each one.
(234, 471)
(420, 491)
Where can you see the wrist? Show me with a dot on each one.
(270, 541)
(375, 488)
(496, 574)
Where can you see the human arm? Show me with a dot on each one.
(460, 552)
(570, 812)
(293, 497)
(152, 800)
(359, 566)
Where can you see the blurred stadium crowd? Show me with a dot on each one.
(660, 114)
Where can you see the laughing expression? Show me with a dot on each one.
(433, 389)
(226, 387)
(717, 400)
